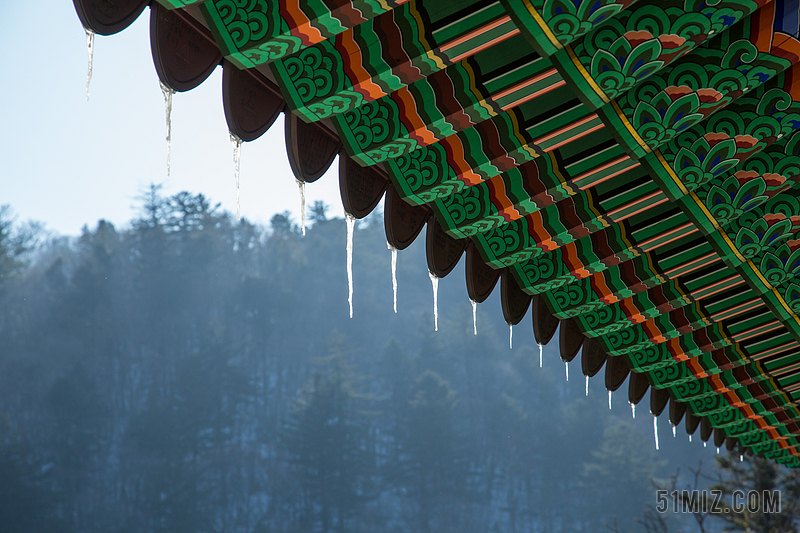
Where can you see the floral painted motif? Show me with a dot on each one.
(569, 19)
(736, 196)
(672, 111)
(710, 156)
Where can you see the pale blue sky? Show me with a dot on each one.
(67, 162)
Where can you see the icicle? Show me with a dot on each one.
(566, 369)
(90, 50)
(435, 285)
(587, 386)
(717, 450)
(237, 153)
(167, 92)
(633, 410)
(690, 437)
(394, 273)
(302, 186)
(674, 431)
(474, 316)
(609, 400)
(511, 338)
(655, 430)
(540, 356)
(741, 458)
(705, 444)
(351, 224)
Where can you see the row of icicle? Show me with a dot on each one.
(350, 223)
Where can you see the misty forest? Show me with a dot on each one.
(189, 372)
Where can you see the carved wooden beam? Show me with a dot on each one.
(184, 57)
(442, 250)
(251, 105)
(616, 372)
(514, 300)
(544, 323)
(570, 339)
(481, 278)
(706, 429)
(593, 357)
(361, 187)
(692, 421)
(107, 17)
(676, 411)
(401, 220)
(311, 148)
(637, 387)
(658, 400)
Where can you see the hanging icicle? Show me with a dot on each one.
(655, 430)
(394, 273)
(705, 444)
(717, 450)
(435, 286)
(237, 153)
(302, 186)
(674, 431)
(690, 437)
(90, 50)
(633, 410)
(540, 356)
(168, 92)
(351, 224)
(510, 337)
(609, 400)
(474, 316)
(587, 386)
(741, 458)
(566, 369)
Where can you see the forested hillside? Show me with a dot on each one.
(192, 373)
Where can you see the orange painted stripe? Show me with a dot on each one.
(758, 331)
(646, 243)
(739, 309)
(300, 25)
(655, 194)
(565, 129)
(523, 84)
(365, 85)
(601, 289)
(703, 262)
(504, 204)
(533, 95)
(601, 168)
(576, 266)
(455, 152)
(475, 33)
(631, 311)
(720, 284)
(418, 130)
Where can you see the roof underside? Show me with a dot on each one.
(627, 168)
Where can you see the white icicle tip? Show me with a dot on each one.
(566, 369)
(302, 186)
(168, 92)
(655, 429)
(587, 386)
(609, 400)
(435, 286)
(90, 50)
(351, 224)
(237, 153)
(474, 316)
(633, 410)
(510, 337)
(540, 356)
(394, 274)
